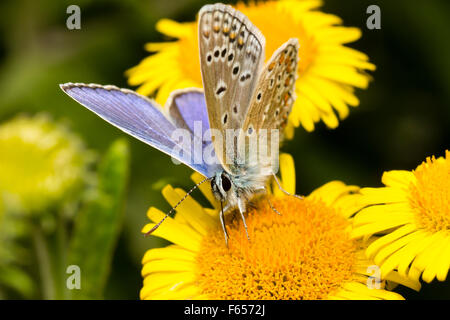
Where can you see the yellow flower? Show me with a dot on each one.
(304, 253)
(40, 163)
(327, 75)
(413, 211)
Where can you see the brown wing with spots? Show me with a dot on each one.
(275, 93)
(270, 107)
(231, 58)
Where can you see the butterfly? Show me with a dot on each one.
(240, 94)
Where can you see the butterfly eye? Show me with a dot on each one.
(226, 183)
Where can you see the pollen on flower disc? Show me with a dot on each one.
(430, 194)
(304, 253)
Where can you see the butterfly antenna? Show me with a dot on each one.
(179, 202)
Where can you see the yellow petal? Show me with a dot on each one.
(435, 261)
(384, 195)
(403, 280)
(180, 293)
(376, 227)
(388, 239)
(173, 231)
(189, 209)
(171, 251)
(398, 178)
(397, 257)
(167, 280)
(363, 290)
(287, 169)
(174, 29)
(331, 191)
(157, 46)
(338, 34)
(342, 74)
(394, 246)
(444, 263)
(378, 213)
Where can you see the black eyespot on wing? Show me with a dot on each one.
(226, 183)
(245, 77)
(221, 91)
(224, 119)
(235, 70)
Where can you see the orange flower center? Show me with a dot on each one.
(304, 253)
(430, 195)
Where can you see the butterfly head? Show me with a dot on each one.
(222, 185)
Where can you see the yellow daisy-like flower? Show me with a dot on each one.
(40, 162)
(328, 71)
(413, 211)
(304, 253)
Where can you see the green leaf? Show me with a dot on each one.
(19, 281)
(98, 224)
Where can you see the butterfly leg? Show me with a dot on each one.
(272, 207)
(281, 188)
(222, 221)
(251, 205)
(241, 207)
(263, 189)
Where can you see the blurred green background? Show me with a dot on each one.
(403, 117)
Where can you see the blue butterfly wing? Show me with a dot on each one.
(187, 109)
(136, 115)
(187, 106)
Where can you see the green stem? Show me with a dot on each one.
(44, 263)
(61, 239)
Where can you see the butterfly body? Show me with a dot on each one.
(234, 190)
(240, 97)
